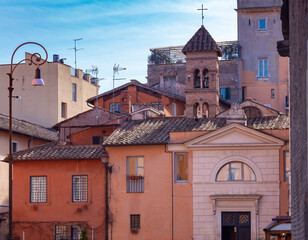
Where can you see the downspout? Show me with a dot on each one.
(172, 211)
(172, 200)
(106, 201)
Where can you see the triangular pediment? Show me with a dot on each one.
(234, 135)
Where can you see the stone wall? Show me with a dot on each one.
(207, 214)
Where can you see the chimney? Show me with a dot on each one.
(126, 103)
(55, 58)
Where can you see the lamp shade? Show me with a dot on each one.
(38, 81)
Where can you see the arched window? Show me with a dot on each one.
(235, 171)
(205, 80)
(197, 110)
(252, 112)
(205, 110)
(197, 78)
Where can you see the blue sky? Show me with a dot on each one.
(119, 32)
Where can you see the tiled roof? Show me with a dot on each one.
(58, 151)
(28, 129)
(138, 84)
(262, 123)
(201, 41)
(156, 131)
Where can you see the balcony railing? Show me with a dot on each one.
(135, 185)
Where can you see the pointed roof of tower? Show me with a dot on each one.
(201, 41)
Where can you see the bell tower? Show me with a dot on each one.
(202, 75)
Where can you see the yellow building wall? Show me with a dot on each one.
(42, 105)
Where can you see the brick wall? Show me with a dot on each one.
(229, 77)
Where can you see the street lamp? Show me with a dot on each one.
(37, 60)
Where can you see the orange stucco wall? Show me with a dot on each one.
(84, 137)
(38, 220)
(155, 204)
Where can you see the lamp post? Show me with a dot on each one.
(37, 60)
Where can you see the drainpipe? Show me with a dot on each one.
(172, 205)
(172, 181)
(106, 200)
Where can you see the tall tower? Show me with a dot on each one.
(265, 74)
(202, 75)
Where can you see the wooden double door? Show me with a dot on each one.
(235, 226)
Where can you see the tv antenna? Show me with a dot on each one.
(75, 49)
(116, 69)
(95, 71)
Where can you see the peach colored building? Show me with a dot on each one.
(170, 180)
(25, 135)
(64, 94)
(265, 74)
(59, 190)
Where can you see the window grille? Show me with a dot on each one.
(135, 221)
(80, 188)
(75, 232)
(38, 189)
(61, 232)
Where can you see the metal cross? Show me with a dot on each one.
(202, 12)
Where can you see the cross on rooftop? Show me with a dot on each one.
(202, 9)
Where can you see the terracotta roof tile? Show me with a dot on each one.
(201, 41)
(28, 128)
(261, 123)
(58, 151)
(156, 131)
(138, 84)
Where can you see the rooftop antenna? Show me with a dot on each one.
(202, 9)
(116, 69)
(95, 71)
(75, 49)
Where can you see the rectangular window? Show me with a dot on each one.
(262, 24)
(75, 232)
(63, 110)
(80, 188)
(174, 109)
(15, 146)
(135, 174)
(287, 101)
(115, 107)
(263, 67)
(135, 221)
(181, 167)
(62, 232)
(96, 140)
(38, 189)
(287, 165)
(243, 94)
(74, 89)
(272, 93)
(225, 93)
